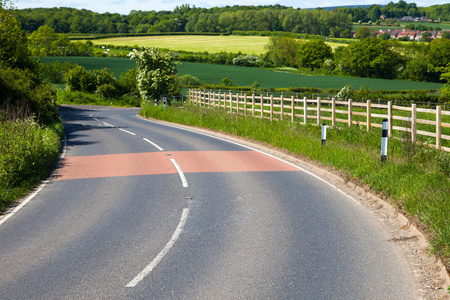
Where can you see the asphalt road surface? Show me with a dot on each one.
(142, 210)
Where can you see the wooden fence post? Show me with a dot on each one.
(271, 107)
(369, 115)
(262, 106)
(350, 112)
(231, 102)
(253, 104)
(245, 104)
(237, 103)
(390, 118)
(438, 127)
(204, 98)
(305, 110)
(333, 112)
(292, 109)
(318, 111)
(413, 123)
(209, 99)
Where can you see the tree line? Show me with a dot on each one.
(184, 18)
(397, 10)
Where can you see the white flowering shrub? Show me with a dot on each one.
(346, 92)
(155, 72)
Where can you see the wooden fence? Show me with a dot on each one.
(416, 124)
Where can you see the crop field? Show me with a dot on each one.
(242, 76)
(116, 65)
(198, 43)
(194, 43)
(269, 78)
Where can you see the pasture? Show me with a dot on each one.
(242, 76)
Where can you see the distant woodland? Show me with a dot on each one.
(184, 18)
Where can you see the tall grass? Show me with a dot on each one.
(415, 177)
(27, 152)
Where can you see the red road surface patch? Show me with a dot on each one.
(155, 163)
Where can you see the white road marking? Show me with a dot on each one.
(32, 195)
(158, 147)
(180, 172)
(163, 252)
(107, 124)
(129, 132)
(253, 149)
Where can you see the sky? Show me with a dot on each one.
(125, 6)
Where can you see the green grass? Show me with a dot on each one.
(242, 76)
(415, 177)
(27, 152)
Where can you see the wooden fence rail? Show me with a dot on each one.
(412, 121)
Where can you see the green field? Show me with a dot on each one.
(116, 65)
(274, 79)
(242, 76)
(198, 43)
(194, 43)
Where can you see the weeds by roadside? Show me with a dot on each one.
(27, 152)
(415, 177)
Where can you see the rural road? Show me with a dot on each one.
(143, 210)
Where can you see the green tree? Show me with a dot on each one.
(312, 54)
(363, 33)
(283, 51)
(46, 42)
(14, 50)
(155, 72)
(445, 34)
(371, 58)
(80, 79)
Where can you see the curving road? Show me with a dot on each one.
(142, 210)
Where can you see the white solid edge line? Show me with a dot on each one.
(158, 147)
(253, 149)
(41, 186)
(180, 172)
(129, 132)
(163, 252)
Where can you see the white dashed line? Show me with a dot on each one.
(157, 147)
(180, 172)
(129, 132)
(163, 252)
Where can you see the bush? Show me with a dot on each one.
(127, 83)
(108, 90)
(79, 79)
(188, 81)
(22, 89)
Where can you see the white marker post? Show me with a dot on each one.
(324, 134)
(384, 141)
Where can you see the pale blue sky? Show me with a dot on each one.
(125, 6)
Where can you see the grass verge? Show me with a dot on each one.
(27, 153)
(415, 178)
